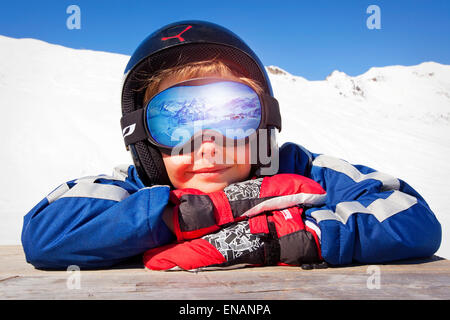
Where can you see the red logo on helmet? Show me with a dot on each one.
(178, 36)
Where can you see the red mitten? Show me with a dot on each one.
(197, 213)
(276, 238)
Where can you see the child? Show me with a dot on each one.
(338, 213)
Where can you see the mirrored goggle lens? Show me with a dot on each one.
(231, 108)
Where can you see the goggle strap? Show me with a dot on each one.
(273, 116)
(133, 129)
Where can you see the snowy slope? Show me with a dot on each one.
(61, 111)
(60, 120)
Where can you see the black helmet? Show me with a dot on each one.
(173, 45)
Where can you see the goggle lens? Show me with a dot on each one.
(176, 114)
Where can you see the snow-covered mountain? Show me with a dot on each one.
(61, 112)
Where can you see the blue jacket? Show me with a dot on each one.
(96, 222)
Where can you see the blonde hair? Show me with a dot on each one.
(213, 67)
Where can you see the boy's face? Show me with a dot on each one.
(200, 168)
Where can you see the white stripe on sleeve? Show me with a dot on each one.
(86, 189)
(58, 192)
(389, 182)
(381, 209)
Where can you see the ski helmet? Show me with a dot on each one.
(193, 41)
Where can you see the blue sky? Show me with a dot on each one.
(307, 38)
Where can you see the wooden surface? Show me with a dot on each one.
(420, 279)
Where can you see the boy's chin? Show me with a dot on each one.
(209, 186)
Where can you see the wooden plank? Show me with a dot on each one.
(418, 279)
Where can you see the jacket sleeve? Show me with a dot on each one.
(94, 222)
(369, 216)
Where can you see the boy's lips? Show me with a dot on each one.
(211, 171)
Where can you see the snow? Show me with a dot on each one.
(61, 112)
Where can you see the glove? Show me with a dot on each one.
(197, 213)
(276, 238)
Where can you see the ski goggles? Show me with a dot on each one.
(177, 114)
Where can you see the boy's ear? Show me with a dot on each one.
(154, 172)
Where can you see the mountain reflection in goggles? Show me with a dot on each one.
(231, 108)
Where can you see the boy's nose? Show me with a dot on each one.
(207, 148)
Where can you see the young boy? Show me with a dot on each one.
(199, 186)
